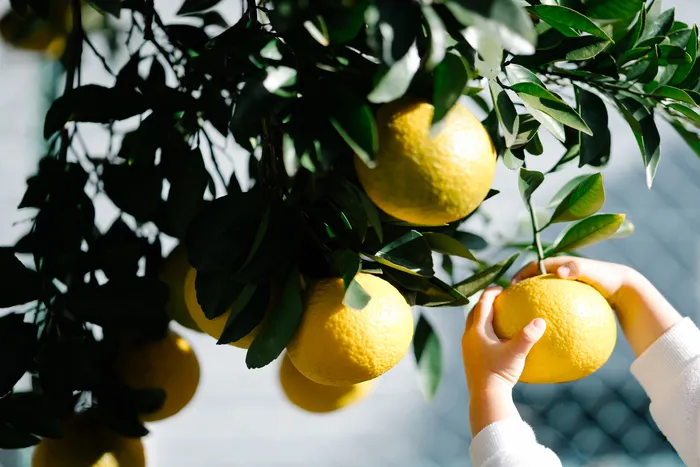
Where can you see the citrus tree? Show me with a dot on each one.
(328, 100)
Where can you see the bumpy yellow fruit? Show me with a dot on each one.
(174, 273)
(581, 329)
(169, 364)
(337, 345)
(213, 327)
(318, 398)
(87, 443)
(424, 180)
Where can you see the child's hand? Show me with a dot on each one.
(493, 366)
(490, 363)
(606, 278)
(644, 314)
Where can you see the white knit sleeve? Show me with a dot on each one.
(510, 443)
(669, 372)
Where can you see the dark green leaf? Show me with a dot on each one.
(527, 129)
(392, 82)
(347, 264)
(528, 182)
(484, 278)
(587, 232)
(32, 413)
(507, 115)
(194, 6)
(18, 342)
(692, 139)
(514, 158)
(632, 55)
(584, 200)
(673, 55)
(594, 149)
(353, 119)
(668, 92)
(93, 103)
(447, 245)
(682, 71)
(134, 188)
(428, 353)
(437, 35)
(534, 146)
(562, 17)
(251, 296)
(13, 438)
(281, 326)
(564, 191)
(451, 77)
(370, 209)
(686, 112)
(21, 285)
(470, 240)
(409, 253)
(391, 29)
(615, 10)
(540, 98)
(645, 71)
(641, 121)
(586, 48)
(658, 27)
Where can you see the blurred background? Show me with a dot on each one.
(240, 417)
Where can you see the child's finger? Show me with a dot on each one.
(527, 337)
(483, 311)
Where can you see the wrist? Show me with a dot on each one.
(489, 405)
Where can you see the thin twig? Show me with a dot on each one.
(75, 50)
(213, 159)
(536, 240)
(102, 58)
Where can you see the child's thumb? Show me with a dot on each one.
(527, 337)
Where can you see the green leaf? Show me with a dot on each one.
(672, 55)
(112, 7)
(428, 353)
(369, 207)
(615, 10)
(13, 438)
(692, 139)
(21, 285)
(391, 29)
(594, 149)
(195, 6)
(483, 279)
(32, 413)
(505, 19)
(409, 253)
(392, 82)
(347, 264)
(587, 232)
(645, 71)
(552, 125)
(93, 103)
(18, 343)
(447, 245)
(507, 115)
(641, 121)
(686, 112)
(682, 71)
(564, 191)
(437, 35)
(528, 127)
(356, 297)
(281, 326)
(632, 55)
(528, 182)
(540, 98)
(353, 119)
(658, 27)
(562, 17)
(668, 92)
(586, 48)
(450, 78)
(134, 188)
(470, 240)
(584, 200)
(247, 311)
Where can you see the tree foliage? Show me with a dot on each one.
(296, 83)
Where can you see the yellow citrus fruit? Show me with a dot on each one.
(581, 329)
(168, 363)
(318, 398)
(339, 346)
(87, 443)
(428, 180)
(174, 273)
(213, 327)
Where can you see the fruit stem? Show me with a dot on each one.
(536, 241)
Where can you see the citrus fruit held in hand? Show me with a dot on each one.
(428, 180)
(87, 443)
(318, 398)
(581, 329)
(174, 273)
(213, 327)
(168, 363)
(338, 345)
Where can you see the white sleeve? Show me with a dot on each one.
(669, 372)
(510, 443)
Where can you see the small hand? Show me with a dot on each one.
(606, 278)
(493, 366)
(489, 361)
